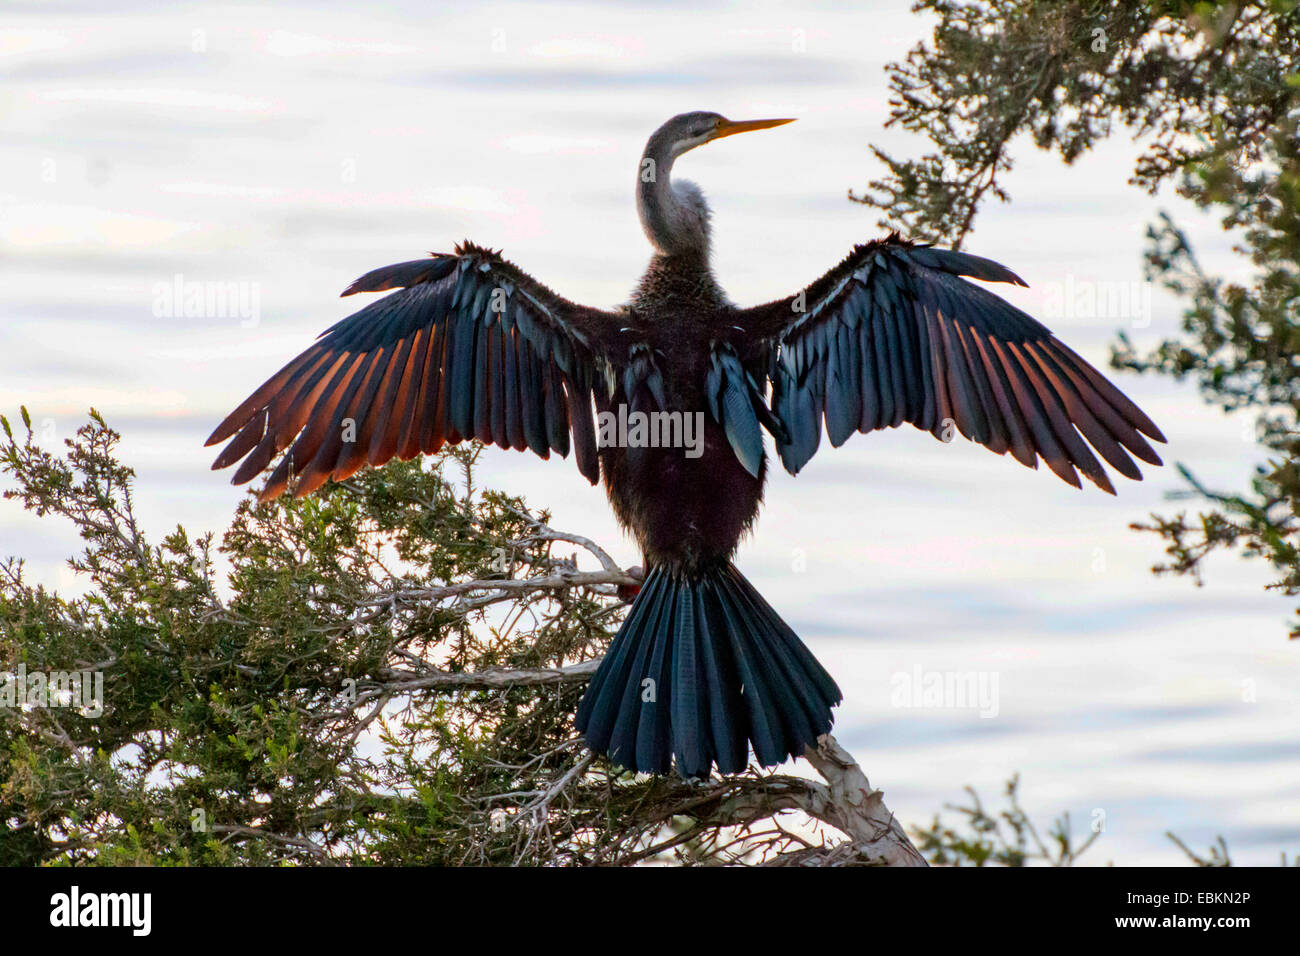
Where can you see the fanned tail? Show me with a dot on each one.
(701, 670)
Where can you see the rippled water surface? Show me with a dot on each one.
(289, 148)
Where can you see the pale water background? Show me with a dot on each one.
(294, 146)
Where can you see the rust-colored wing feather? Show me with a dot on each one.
(470, 347)
(893, 334)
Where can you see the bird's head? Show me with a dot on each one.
(675, 216)
(688, 130)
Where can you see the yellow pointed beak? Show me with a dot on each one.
(729, 128)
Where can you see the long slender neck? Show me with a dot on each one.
(675, 218)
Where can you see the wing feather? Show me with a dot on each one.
(895, 333)
(438, 361)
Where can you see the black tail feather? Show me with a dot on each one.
(702, 670)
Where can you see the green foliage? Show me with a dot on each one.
(1212, 91)
(384, 673)
(232, 715)
(1008, 838)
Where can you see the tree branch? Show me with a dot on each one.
(493, 678)
(857, 810)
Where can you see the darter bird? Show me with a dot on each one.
(471, 347)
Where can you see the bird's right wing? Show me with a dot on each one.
(893, 334)
(471, 347)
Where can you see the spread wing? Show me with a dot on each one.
(470, 347)
(893, 334)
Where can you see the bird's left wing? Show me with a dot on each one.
(470, 347)
(893, 334)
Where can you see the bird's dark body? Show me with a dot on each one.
(685, 512)
(703, 671)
